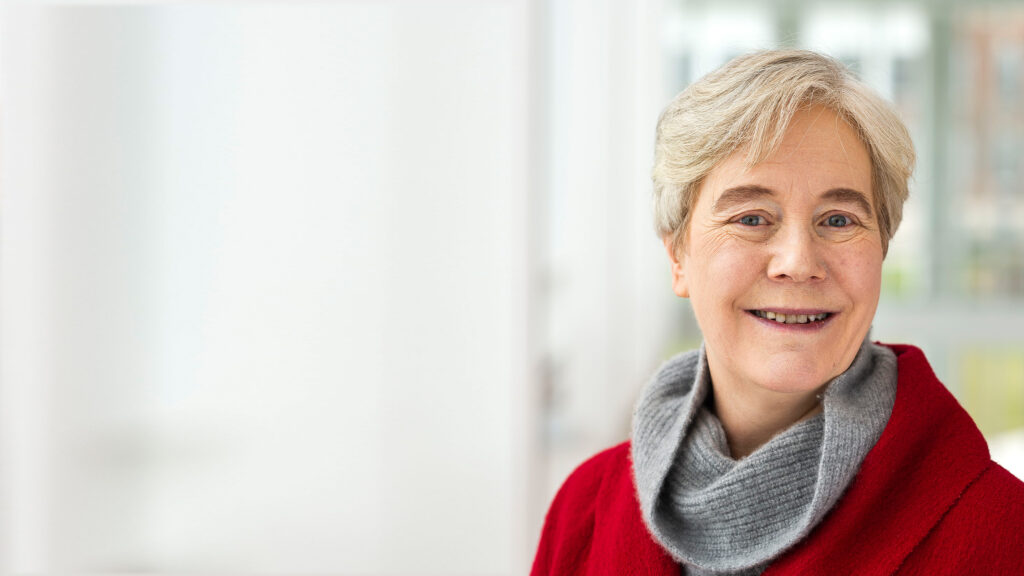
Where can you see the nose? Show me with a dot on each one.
(796, 255)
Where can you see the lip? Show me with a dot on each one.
(795, 328)
(788, 311)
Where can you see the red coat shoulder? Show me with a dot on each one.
(982, 533)
(569, 525)
(594, 525)
(927, 500)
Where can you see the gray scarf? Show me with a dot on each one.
(716, 515)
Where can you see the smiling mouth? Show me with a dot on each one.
(791, 318)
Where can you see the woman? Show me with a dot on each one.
(789, 443)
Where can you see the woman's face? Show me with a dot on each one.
(794, 237)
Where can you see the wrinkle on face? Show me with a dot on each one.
(716, 238)
(790, 257)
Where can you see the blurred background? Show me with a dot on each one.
(351, 287)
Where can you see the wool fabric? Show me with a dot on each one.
(716, 515)
(927, 499)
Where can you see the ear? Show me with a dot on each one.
(679, 285)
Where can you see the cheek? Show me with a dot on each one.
(859, 271)
(725, 271)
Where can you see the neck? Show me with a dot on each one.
(751, 416)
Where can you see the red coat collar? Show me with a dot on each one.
(929, 453)
(927, 456)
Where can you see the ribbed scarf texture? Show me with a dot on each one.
(716, 515)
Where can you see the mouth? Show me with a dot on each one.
(799, 317)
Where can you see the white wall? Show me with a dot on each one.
(608, 306)
(263, 285)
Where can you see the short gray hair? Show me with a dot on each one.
(749, 102)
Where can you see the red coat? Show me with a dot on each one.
(928, 500)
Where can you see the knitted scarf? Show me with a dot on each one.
(716, 515)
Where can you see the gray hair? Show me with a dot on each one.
(749, 102)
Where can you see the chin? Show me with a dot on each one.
(793, 386)
(791, 375)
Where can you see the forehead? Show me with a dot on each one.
(819, 152)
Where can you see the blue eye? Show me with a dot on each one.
(751, 220)
(838, 221)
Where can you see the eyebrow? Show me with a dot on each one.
(738, 195)
(850, 196)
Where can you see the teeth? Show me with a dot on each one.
(791, 318)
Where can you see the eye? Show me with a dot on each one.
(751, 220)
(838, 221)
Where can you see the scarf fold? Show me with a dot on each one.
(717, 515)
